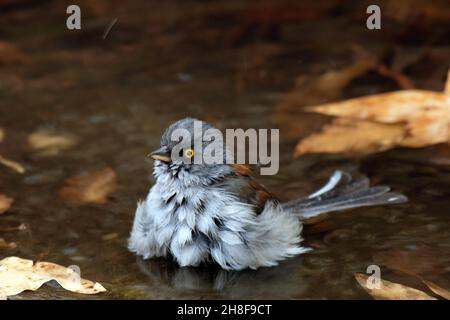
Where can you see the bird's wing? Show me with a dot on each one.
(246, 188)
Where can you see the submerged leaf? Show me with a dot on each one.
(90, 187)
(18, 275)
(11, 164)
(392, 291)
(5, 203)
(7, 245)
(49, 143)
(423, 261)
(307, 91)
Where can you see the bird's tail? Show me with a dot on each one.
(343, 192)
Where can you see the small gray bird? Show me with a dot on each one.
(199, 213)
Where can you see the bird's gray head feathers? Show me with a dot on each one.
(184, 150)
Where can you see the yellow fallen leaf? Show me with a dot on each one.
(13, 165)
(438, 290)
(5, 203)
(18, 275)
(90, 187)
(340, 137)
(427, 131)
(391, 107)
(49, 143)
(408, 118)
(392, 291)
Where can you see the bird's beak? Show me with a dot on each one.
(161, 154)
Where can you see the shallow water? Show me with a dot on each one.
(228, 63)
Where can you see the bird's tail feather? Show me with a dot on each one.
(343, 192)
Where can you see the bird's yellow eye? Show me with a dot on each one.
(189, 153)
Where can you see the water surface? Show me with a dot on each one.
(228, 63)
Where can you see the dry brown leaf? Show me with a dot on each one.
(427, 131)
(392, 291)
(11, 164)
(18, 275)
(90, 187)
(438, 290)
(7, 245)
(409, 118)
(49, 143)
(2, 134)
(391, 107)
(5, 203)
(332, 82)
(341, 136)
(109, 236)
(308, 91)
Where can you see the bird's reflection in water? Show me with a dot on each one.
(282, 281)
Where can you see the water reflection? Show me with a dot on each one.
(267, 282)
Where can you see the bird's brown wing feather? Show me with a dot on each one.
(250, 190)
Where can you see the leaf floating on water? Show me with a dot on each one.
(7, 245)
(392, 291)
(18, 275)
(307, 91)
(13, 165)
(5, 203)
(444, 293)
(391, 107)
(409, 118)
(341, 136)
(90, 187)
(49, 143)
(109, 236)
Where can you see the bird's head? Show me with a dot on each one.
(192, 150)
